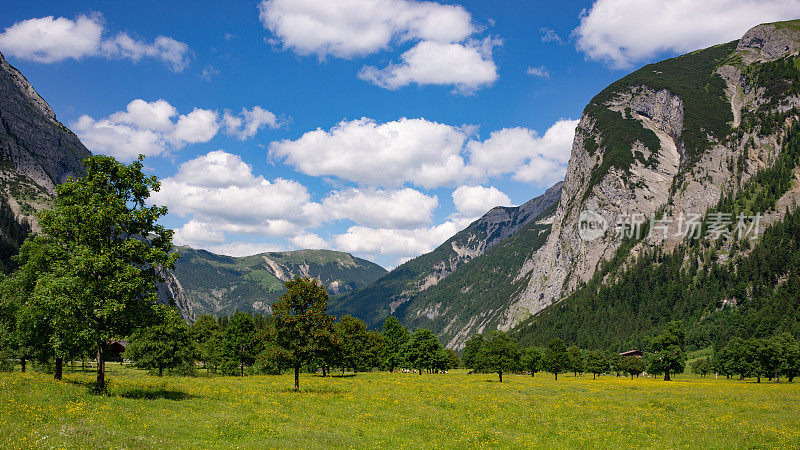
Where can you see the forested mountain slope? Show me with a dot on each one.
(217, 284)
(400, 287)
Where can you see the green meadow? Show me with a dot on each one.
(395, 409)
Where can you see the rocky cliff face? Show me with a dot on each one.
(681, 152)
(37, 152)
(171, 292)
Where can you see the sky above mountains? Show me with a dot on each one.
(376, 127)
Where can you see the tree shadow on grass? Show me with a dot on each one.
(153, 394)
(317, 390)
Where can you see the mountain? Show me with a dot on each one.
(412, 290)
(37, 152)
(711, 132)
(207, 283)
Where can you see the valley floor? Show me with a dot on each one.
(395, 410)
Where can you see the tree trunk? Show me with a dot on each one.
(758, 379)
(420, 372)
(323, 371)
(242, 368)
(160, 371)
(594, 376)
(666, 375)
(791, 377)
(22, 362)
(59, 368)
(101, 369)
(501, 376)
(297, 377)
(777, 380)
(556, 374)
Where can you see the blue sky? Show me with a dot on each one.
(377, 127)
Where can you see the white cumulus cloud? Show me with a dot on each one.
(197, 234)
(50, 39)
(525, 154)
(466, 66)
(220, 189)
(403, 208)
(623, 32)
(245, 248)
(154, 128)
(474, 201)
(427, 154)
(349, 28)
(249, 122)
(400, 244)
(308, 241)
(445, 51)
(418, 151)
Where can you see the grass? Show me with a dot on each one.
(405, 410)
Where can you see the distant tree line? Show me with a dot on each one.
(771, 358)
(312, 341)
(500, 353)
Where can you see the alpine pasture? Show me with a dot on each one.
(383, 409)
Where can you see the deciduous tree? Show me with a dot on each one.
(166, 344)
(300, 320)
(532, 360)
(395, 335)
(597, 363)
(556, 359)
(420, 351)
(499, 353)
(669, 346)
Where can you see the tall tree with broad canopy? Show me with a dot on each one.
(597, 363)
(355, 340)
(556, 359)
(301, 319)
(44, 329)
(27, 319)
(576, 360)
(113, 248)
(774, 353)
(499, 353)
(207, 336)
(669, 348)
(532, 360)
(166, 344)
(633, 366)
(472, 349)
(395, 335)
(421, 350)
(239, 340)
